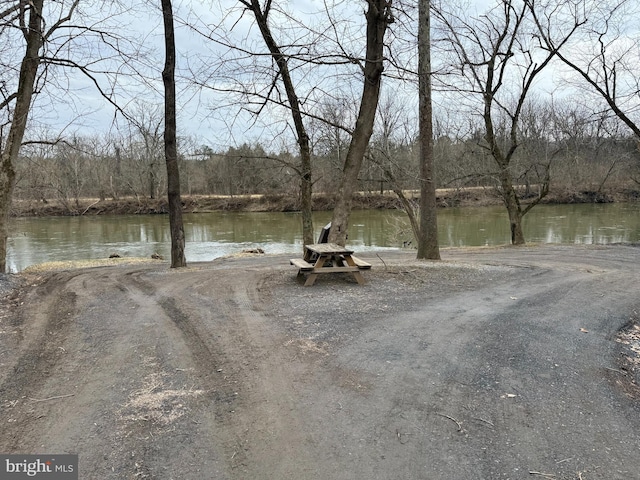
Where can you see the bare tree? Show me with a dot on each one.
(330, 138)
(379, 16)
(392, 152)
(18, 104)
(315, 53)
(261, 14)
(591, 148)
(240, 73)
(428, 234)
(170, 142)
(72, 173)
(496, 59)
(40, 41)
(607, 56)
(147, 121)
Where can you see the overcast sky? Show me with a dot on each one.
(73, 103)
(82, 110)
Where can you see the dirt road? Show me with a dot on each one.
(492, 364)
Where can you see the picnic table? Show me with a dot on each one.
(320, 258)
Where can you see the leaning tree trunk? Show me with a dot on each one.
(170, 144)
(305, 172)
(378, 16)
(11, 148)
(353, 163)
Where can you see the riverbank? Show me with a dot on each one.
(452, 197)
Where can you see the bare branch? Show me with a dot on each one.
(61, 21)
(65, 62)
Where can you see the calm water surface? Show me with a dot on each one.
(212, 235)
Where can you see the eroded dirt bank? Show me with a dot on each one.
(495, 363)
(447, 197)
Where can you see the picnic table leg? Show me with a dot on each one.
(359, 278)
(357, 275)
(312, 277)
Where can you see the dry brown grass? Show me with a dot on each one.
(73, 264)
(156, 402)
(631, 338)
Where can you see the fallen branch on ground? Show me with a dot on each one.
(460, 429)
(545, 475)
(51, 398)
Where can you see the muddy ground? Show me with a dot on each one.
(498, 363)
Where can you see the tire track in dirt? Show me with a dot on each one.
(227, 334)
(79, 388)
(275, 430)
(166, 416)
(202, 372)
(113, 378)
(41, 334)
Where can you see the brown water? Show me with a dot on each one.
(211, 235)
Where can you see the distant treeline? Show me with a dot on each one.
(583, 156)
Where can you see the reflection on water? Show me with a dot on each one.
(211, 235)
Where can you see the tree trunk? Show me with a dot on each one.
(151, 182)
(306, 184)
(115, 189)
(306, 199)
(170, 144)
(511, 202)
(508, 192)
(428, 234)
(11, 149)
(378, 18)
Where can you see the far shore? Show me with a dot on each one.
(449, 197)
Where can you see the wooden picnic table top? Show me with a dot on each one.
(328, 249)
(322, 258)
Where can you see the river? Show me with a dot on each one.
(212, 235)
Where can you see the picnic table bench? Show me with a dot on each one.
(320, 258)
